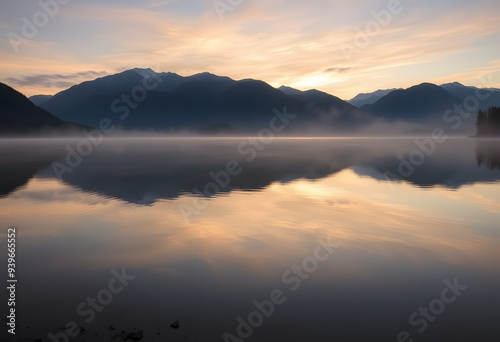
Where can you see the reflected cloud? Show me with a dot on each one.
(393, 244)
(249, 228)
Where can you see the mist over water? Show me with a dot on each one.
(208, 226)
(250, 171)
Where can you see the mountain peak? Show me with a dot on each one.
(455, 84)
(204, 74)
(424, 85)
(168, 73)
(289, 90)
(142, 69)
(414, 104)
(370, 98)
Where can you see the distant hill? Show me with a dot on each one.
(318, 98)
(39, 99)
(289, 90)
(421, 103)
(462, 92)
(199, 102)
(369, 98)
(18, 115)
(330, 108)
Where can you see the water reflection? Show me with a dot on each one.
(397, 243)
(488, 154)
(143, 171)
(22, 159)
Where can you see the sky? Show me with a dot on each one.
(343, 48)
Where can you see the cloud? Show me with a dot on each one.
(55, 80)
(280, 42)
(339, 70)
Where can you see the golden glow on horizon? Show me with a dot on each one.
(359, 213)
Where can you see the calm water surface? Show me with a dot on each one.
(204, 244)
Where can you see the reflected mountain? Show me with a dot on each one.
(452, 165)
(144, 171)
(24, 161)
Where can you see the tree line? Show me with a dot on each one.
(488, 122)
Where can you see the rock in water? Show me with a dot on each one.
(175, 325)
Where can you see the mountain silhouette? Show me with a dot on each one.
(319, 99)
(421, 103)
(196, 102)
(18, 115)
(462, 92)
(289, 90)
(39, 99)
(210, 104)
(329, 110)
(369, 98)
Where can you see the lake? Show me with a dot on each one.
(248, 240)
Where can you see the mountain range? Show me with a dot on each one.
(369, 98)
(201, 102)
(421, 103)
(462, 92)
(456, 89)
(141, 99)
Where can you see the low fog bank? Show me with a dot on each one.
(278, 123)
(377, 128)
(143, 171)
(361, 124)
